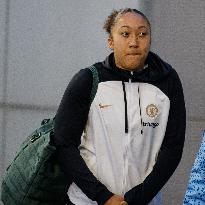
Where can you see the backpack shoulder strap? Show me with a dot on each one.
(95, 82)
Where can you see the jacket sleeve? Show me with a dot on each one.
(171, 150)
(195, 193)
(70, 121)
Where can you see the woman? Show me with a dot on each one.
(195, 193)
(123, 147)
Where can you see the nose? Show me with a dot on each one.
(134, 41)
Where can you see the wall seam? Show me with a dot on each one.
(21, 106)
(5, 78)
(196, 119)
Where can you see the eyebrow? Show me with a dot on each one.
(130, 27)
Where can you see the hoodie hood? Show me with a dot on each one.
(155, 69)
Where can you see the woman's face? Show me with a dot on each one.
(130, 41)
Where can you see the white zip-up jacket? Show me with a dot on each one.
(129, 140)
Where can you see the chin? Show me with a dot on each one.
(134, 67)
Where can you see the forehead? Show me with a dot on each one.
(132, 20)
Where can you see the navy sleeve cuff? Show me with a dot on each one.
(103, 195)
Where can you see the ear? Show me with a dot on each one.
(110, 42)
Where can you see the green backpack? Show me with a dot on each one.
(34, 177)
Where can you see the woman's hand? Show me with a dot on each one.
(116, 200)
(123, 203)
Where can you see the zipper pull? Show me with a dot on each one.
(130, 79)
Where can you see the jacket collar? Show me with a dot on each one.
(155, 70)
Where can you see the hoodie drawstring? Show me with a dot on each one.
(125, 101)
(126, 115)
(140, 109)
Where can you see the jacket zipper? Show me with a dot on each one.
(127, 134)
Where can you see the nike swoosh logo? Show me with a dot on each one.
(104, 106)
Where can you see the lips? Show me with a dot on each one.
(133, 54)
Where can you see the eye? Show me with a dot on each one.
(125, 34)
(142, 34)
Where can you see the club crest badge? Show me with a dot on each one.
(152, 111)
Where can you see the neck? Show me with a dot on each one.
(136, 69)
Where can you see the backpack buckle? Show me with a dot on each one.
(35, 137)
